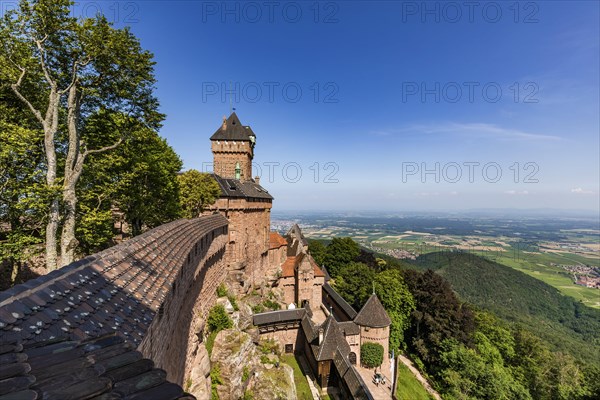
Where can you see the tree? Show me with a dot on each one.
(139, 179)
(397, 301)
(354, 283)
(197, 190)
(438, 315)
(65, 71)
(317, 250)
(218, 319)
(340, 252)
(371, 354)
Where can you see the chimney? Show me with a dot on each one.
(224, 122)
(257, 179)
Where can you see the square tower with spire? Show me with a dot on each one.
(245, 203)
(233, 149)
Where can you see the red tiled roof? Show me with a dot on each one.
(276, 241)
(287, 269)
(318, 270)
(289, 266)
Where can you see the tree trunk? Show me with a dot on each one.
(50, 128)
(68, 241)
(73, 169)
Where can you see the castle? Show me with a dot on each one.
(129, 321)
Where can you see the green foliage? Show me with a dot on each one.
(272, 305)
(265, 360)
(353, 283)
(233, 302)
(339, 253)
(218, 319)
(245, 373)
(56, 66)
(371, 354)
(409, 388)
(398, 302)
(197, 190)
(222, 290)
(258, 308)
(268, 346)
(317, 250)
(210, 342)
(248, 395)
(568, 325)
(215, 381)
(478, 373)
(439, 315)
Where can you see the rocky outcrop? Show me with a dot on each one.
(198, 383)
(232, 352)
(273, 382)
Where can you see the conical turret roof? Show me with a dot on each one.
(373, 314)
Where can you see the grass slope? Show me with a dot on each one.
(408, 387)
(564, 322)
(302, 389)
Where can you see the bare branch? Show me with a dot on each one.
(106, 148)
(15, 89)
(43, 60)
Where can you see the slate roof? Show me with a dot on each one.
(296, 232)
(235, 188)
(106, 366)
(234, 130)
(333, 340)
(309, 329)
(350, 376)
(349, 328)
(339, 300)
(373, 314)
(276, 241)
(117, 291)
(273, 317)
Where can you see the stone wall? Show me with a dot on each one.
(228, 153)
(247, 253)
(174, 334)
(377, 335)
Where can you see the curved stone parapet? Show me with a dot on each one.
(145, 290)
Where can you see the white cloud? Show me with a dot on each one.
(581, 191)
(516, 192)
(472, 128)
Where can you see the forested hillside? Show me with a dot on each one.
(477, 330)
(564, 322)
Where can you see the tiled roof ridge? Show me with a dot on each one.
(19, 291)
(103, 283)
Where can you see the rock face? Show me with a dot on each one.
(244, 368)
(273, 382)
(233, 350)
(199, 381)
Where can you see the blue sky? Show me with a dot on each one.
(388, 89)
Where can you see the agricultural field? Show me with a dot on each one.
(560, 252)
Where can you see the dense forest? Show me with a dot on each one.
(462, 331)
(562, 321)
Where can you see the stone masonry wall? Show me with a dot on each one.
(173, 337)
(227, 154)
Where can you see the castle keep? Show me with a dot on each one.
(128, 322)
(245, 204)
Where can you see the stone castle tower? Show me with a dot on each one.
(233, 149)
(245, 204)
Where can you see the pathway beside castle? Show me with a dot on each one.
(419, 377)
